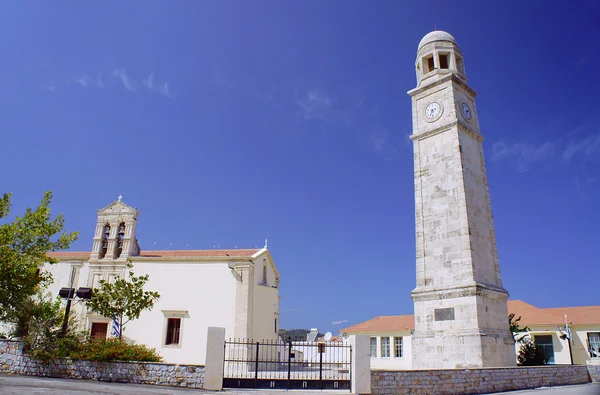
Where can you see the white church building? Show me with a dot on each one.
(234, 289)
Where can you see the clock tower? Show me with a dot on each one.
(461, 314)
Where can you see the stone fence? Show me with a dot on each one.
(594, 370)
(12, 360)
(475, 381)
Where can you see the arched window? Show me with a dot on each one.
(120, 237)
(104, 243)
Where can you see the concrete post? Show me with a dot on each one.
(215, 358)
(361, 364)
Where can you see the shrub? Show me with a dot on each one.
(114, 349)
(531, 355)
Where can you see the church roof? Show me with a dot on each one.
(236, 253)
(436, 35)
(530, 315)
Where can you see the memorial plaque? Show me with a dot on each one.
(444, 314)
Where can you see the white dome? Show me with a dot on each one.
(436, 35)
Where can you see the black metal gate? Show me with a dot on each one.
(287, 365)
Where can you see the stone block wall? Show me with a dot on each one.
(12, 360)
(594, 371)
(475, 381)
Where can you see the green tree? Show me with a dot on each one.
(516, 328)
(125, 298)
(24, 244)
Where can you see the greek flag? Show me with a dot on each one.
(569, 334)
(115, 326)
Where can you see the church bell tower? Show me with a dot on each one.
(114, 238)
(461, 313)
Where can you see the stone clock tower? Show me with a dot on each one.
(461, 315)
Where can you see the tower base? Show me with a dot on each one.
(462, 349)
(461, 327)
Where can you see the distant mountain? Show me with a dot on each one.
(296, 334)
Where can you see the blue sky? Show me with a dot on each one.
(226, 123)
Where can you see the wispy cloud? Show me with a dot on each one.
(128, 83)
(163, 88)
(587, 147)
(380, 141)
(523, 156)
(117, 75)
(318, 105)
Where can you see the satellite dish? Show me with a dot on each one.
(328, 336)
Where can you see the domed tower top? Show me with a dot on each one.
(438, 55)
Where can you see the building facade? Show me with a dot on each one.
(391, 336)
(459, 301)
(234, 289)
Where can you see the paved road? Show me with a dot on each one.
(20, 385)
(585, 389)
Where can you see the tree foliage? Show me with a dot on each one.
(39, 325)
(23, 247)
(516, 328)
(124, 298)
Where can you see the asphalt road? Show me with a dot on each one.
(20, 385)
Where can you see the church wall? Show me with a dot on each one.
(202, 294)
(266, 302)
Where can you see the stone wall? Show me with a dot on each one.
(594, 371)
(475, 381)
(12, 360)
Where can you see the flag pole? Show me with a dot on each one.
(570, 335)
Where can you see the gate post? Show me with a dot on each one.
(215, 358)
(361, 364)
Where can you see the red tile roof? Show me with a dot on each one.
(241, 253)
(384, 323)
(530, 315)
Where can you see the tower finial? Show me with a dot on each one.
(266, 242)
(120, 197)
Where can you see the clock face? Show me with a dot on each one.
(433, 110)
(466, 111)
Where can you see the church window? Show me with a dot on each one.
(104, 243)
(594, 344)
(373, 345)
(173, 329)
(385, 347)
(275, 325)
(264, 275)
(443, 61)
(430, 64)
(120, 237)
(398, 347)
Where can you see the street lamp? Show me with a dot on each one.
(69, 293)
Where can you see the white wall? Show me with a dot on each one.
(391, 363)
(266, 301)
(205, 291)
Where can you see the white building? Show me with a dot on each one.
(235, 289)
(391, 336)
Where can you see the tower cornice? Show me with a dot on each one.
(449, 77)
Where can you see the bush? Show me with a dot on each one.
(531, 355)
(107, 350)
(80, 347)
